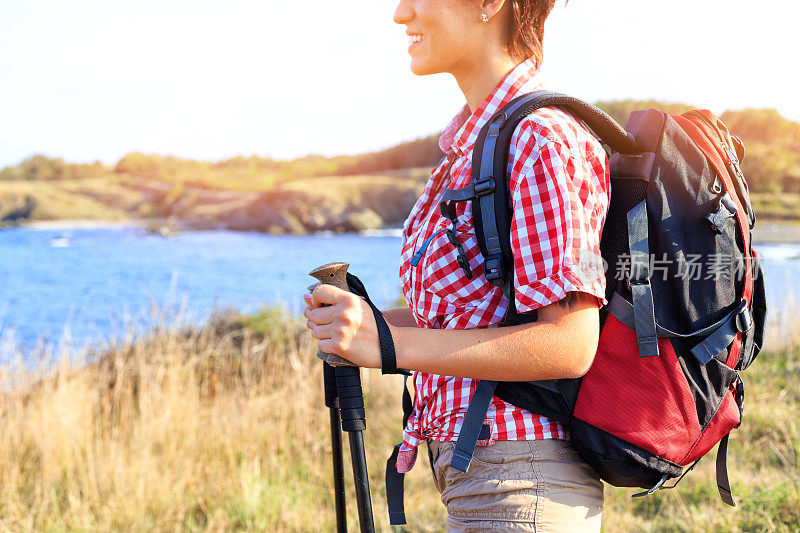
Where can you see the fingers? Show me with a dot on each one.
(320, 304)
(322, 296)
(309, 291)
(321, 315)
(307, 300)
(327, 295)
(322, 331)
(332, 339)
(329, 312)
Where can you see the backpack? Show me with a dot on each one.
(686, 299)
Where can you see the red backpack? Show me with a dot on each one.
(686, 307)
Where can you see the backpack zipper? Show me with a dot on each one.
(707, 121)
(732, 164)
(733, 159)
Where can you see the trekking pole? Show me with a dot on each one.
(349, 405)
(332, 402)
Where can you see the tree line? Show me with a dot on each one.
(772, 162)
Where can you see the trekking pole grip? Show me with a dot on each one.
(332, 274)
(351, 398)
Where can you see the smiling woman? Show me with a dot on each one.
(559, 188)
(521, 37)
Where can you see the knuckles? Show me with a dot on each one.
(339, 334)
(348, 318)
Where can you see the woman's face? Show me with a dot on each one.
(444, 35)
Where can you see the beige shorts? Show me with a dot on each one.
(540, 485)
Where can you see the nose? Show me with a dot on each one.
(404, 12)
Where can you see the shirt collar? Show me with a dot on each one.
(462, 131)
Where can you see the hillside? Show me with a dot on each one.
(323, 203)
(315, 193)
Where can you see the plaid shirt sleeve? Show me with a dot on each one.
(560, 190)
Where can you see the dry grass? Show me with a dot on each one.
(328, 203)
(64, 199)
(777, 205)
(223, 428)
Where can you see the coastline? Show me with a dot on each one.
(178, 225)
(776, 232)
(765, 232)
(84, 223)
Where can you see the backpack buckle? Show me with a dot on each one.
(738, 395)
(497, 122)
(744, 319)
(484, 186)
(726, 209)
(638, 272)
(493, 270)
(636, 278)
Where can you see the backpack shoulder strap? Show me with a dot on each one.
(489, 187)
(491, 206)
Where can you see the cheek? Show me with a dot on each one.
(450, 34)
(455, 45)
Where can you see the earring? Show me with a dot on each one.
(484, 17)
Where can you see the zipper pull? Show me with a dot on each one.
(462, 256)
(419, 253)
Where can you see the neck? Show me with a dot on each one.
(480, 78)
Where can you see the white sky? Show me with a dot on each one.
(94, 79)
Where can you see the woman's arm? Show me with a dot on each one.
(561, 344)
(401, 317)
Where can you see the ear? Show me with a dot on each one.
(491, 7)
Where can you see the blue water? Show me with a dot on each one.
(93, 284)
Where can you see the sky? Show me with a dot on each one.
(90, 80)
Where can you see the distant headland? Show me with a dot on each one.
(314, 193)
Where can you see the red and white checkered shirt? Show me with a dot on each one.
(560, 190)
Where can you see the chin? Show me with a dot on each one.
(420, 68)
(416, 70)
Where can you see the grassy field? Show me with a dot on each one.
(223, 428)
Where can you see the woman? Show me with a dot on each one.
(526, 477)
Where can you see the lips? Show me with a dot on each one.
(414, 40)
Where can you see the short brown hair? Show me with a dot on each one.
(527, 28)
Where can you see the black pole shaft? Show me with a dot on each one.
(351, 409)
(338, 472)
(332, 401)
(363, 499)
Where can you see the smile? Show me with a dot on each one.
(414, 40)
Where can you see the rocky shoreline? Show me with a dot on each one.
(335, 204)
(765, 232)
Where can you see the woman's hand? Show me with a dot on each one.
(344, 325)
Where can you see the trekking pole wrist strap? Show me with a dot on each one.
(388, 356)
